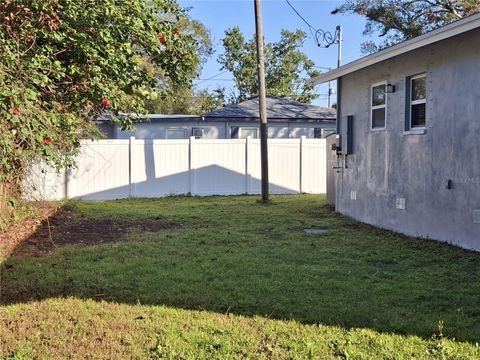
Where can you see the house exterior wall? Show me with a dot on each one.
(284, 130)
(219, 130)
(154, 130)
(392, 164)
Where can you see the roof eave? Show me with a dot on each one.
(445, 32)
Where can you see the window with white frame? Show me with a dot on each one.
(245, 132)
(197, 132)
(378, 112)
(176, 133)
(418, 101)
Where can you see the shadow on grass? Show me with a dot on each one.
(255, 262)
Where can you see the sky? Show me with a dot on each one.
(219, 15)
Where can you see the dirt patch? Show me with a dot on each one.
(23, 229)
(66, 227)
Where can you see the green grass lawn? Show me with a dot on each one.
(232, 278)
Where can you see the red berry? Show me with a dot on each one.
(106, 102)
(60, 107)
(47, 140)
(162, 39)
(16, 111)
(176, 32)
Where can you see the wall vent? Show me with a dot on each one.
(353, 195)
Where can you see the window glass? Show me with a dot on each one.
(419, 88)
(246, 132)
(197, 132)
(234, 132)
(378, 118)
(176, 134)
(379, 105)
(378, 95)
(418, 115)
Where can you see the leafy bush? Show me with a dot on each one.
(64, 62)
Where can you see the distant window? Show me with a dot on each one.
(418, 101)
(245, 132)
(176, 133)
(317, 133)
(234, 132)
(379, 106)
(197, 132)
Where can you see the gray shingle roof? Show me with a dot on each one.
(277, 109)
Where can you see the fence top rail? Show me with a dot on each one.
(204, 141)
(162, 141)
(104, 142)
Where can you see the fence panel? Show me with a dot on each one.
(102, 171)
(218, 167)
(160, 168)
(116, 169)
(314, 167)
(43, 182)
(283, 166)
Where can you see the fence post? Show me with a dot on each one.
(131, 176)
(191, 165)
(247, 168)
(300, 187)
(66, 177)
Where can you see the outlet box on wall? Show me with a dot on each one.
(476, 216)
(400, 203)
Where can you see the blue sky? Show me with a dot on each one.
(218, 16)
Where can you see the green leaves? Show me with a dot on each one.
(399, 20)
(286, 66)
(60, 58)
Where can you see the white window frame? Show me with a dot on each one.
(417, 102)
(197, 128)
(176, 129)
(384, 106)
(247, 128)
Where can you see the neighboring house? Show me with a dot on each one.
(165, 127)
(409, 121)
(286, 119)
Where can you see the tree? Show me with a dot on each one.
(187, 100)
(182, 98)
(63, 62)
(399, 20)
(286, 67)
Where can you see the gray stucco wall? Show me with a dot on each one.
(390, 164)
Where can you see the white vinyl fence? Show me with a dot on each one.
(116, 169)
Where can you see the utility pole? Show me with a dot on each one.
(325, 39)
(340, 40)
(330, 92)
(262, 101)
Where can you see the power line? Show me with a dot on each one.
(214, 76)
(214, 79)
(310, 27)
(323, 67)
(322, 38)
